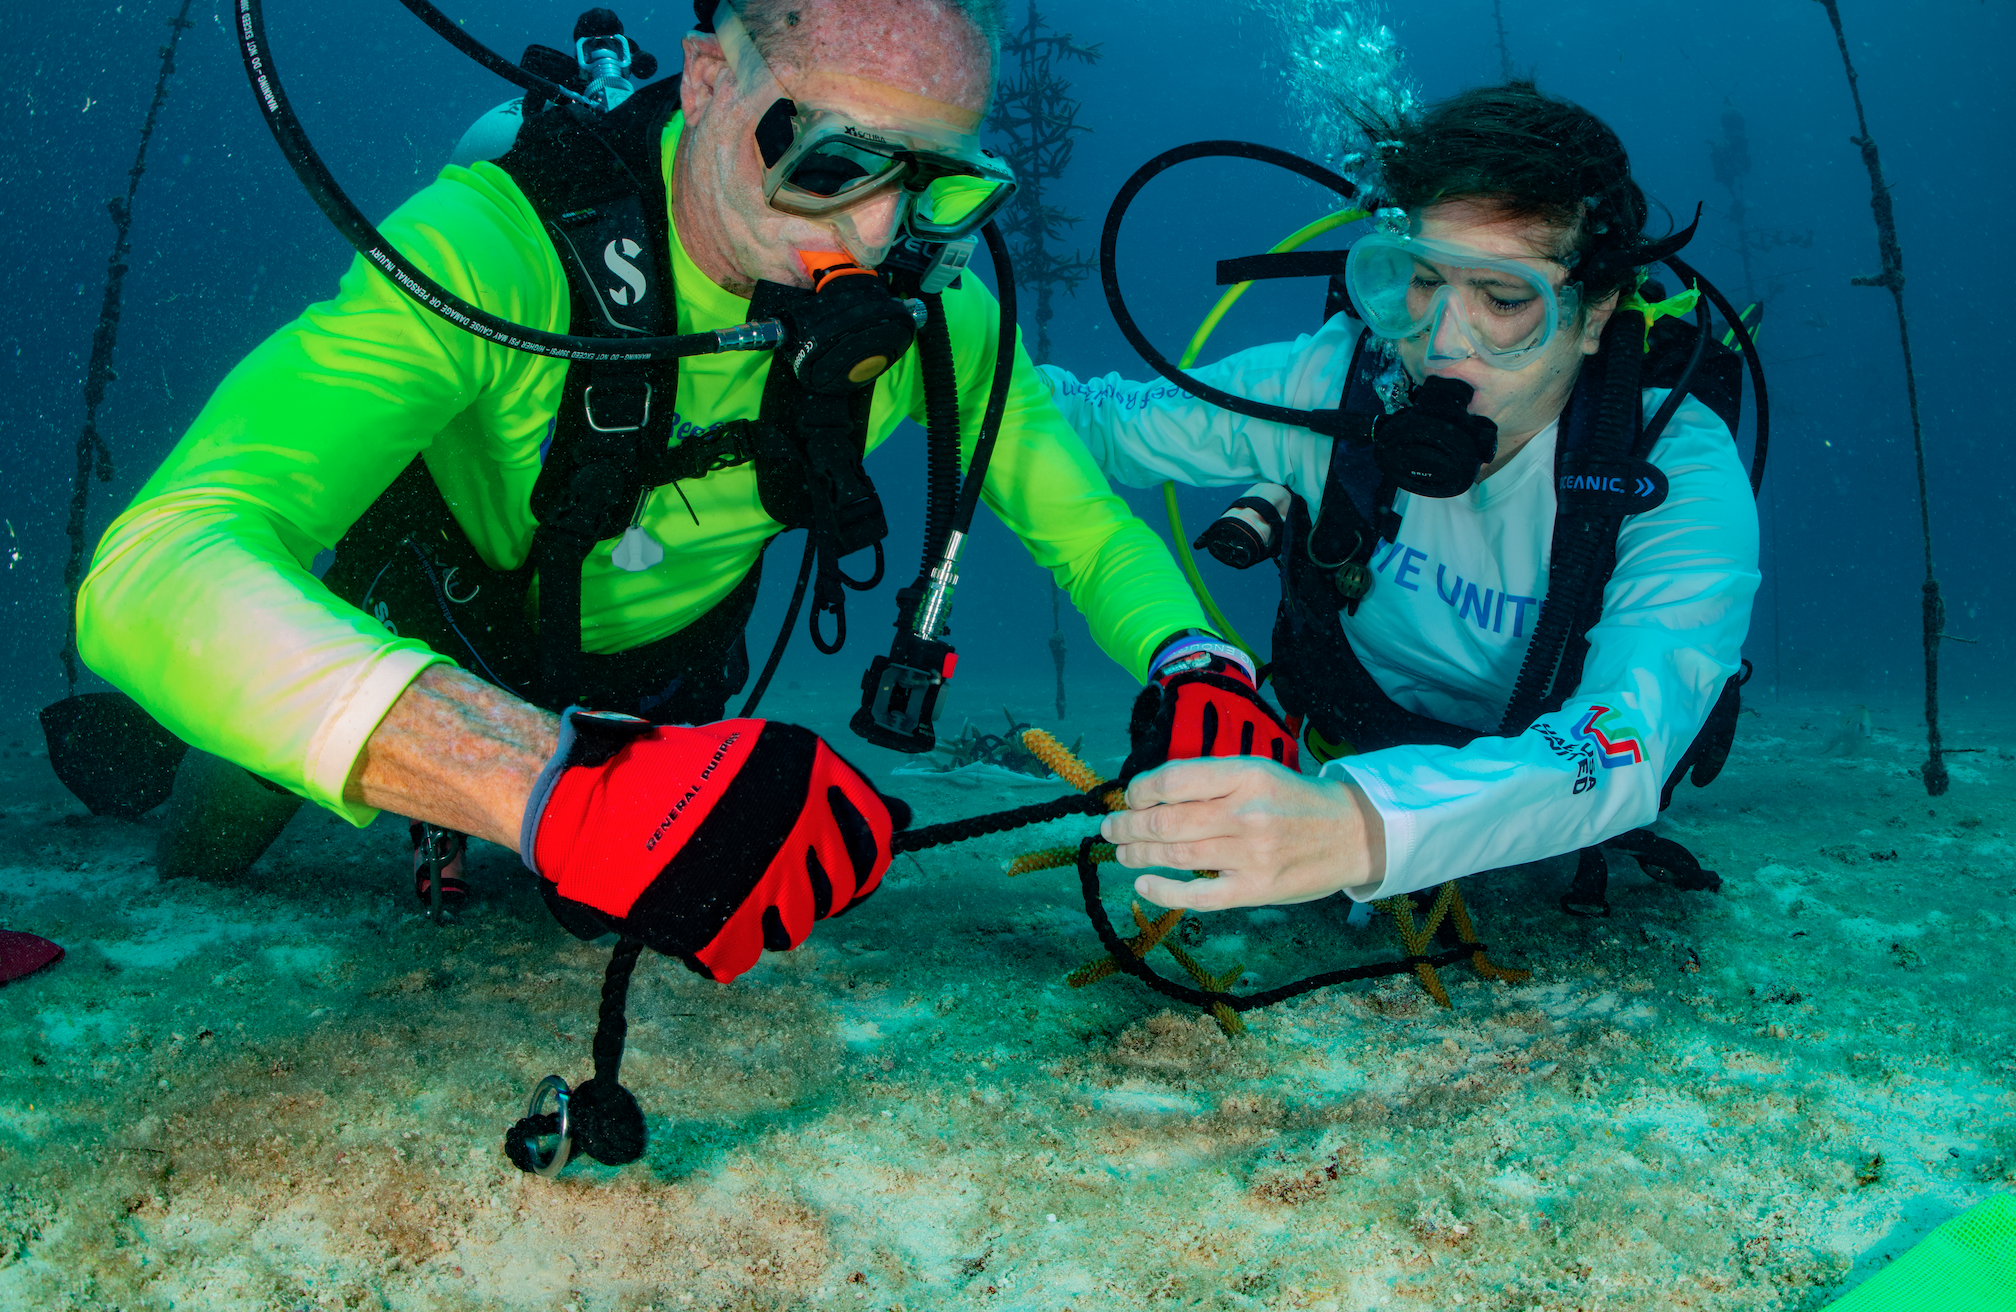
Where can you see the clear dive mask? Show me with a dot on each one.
(1469, 302)
(822, 164)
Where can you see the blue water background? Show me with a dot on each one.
(227, 248)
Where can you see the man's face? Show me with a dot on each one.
(858, 59)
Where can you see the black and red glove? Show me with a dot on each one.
(1201, 700)
(708, 842)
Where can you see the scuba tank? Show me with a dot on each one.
(605, 68)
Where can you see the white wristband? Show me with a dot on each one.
(1197, 652)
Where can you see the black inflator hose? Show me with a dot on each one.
(371, 244)
(1320, 421)
(1006, 342)
(941, 431)
(458, 36)
(1748, 345)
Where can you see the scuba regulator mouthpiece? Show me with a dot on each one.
(851, 329)
(1435, 447)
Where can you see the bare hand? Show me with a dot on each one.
(1273, 836)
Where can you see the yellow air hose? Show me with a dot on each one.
(1294, 241)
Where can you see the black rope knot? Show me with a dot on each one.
(518, 1140)
(607, 1123)
(603, 1118)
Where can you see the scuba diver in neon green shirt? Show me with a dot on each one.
(516, 536)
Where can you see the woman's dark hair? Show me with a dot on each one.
(1526, 155)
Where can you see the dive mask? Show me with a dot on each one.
(1470, 303)
(822, 163)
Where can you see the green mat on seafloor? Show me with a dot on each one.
(1966, 1265)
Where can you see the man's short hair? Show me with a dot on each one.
(770, 21)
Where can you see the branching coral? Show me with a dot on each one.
(1446, 911)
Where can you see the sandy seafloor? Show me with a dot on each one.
(290, 1093)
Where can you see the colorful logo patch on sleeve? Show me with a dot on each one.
(1616, 742)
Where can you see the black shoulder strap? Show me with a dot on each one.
(1357, 509)
(1597, 482)
(1717, 381)
(1604, 471)
(596, 183)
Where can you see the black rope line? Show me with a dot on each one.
(1891, 253)
(1057, 646)
(605, 1121)
(94, 457)
(1000, 822)
(518, 1139)
(1096, 803)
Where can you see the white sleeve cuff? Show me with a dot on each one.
(1402, 836)
(352, 718)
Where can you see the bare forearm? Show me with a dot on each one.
(457, 752)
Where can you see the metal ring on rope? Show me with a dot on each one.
(564, 1146)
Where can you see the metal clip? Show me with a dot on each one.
(438, 841)
(588, 409)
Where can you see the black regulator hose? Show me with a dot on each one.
(423, 290)
(458, 36)
(1320, 421)
(1748, 345)
(1006, 343)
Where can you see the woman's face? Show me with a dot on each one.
(1520, 401)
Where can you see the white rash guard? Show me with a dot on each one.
(1452, 606)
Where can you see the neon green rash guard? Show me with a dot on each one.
(200, 603)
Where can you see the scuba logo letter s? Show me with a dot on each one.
(617, 255)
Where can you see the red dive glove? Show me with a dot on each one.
(710, 843)
(1202, 700)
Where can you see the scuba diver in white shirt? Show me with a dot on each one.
(1517, 558)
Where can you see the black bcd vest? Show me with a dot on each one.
(1601, 473)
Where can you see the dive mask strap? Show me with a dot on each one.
(1638, 257)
